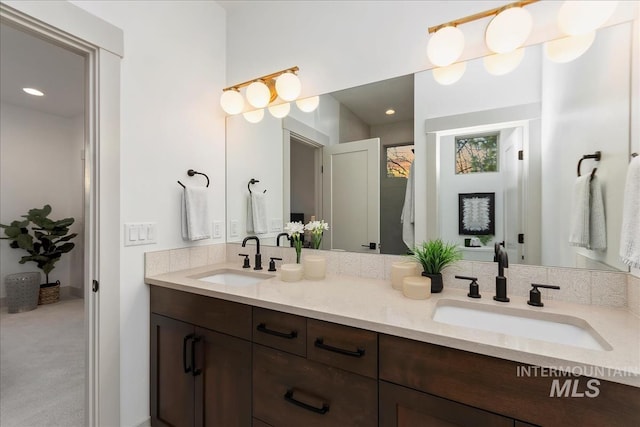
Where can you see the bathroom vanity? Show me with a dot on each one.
(352, 351)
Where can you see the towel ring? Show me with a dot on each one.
(596, 156)
(191, 172)
(253, 181)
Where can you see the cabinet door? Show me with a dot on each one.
(292, 391)
(403, 407)
(223, 380)
(172, 393)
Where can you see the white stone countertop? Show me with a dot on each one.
(374, 305)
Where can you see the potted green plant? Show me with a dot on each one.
(45, 240)
(434, 256)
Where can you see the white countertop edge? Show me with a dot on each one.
(620, 366)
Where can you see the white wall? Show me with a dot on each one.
(352, 128)
(173, 72)
(577, 122)
(40, 163)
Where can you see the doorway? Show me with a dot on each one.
(42, 146)
(305, 184)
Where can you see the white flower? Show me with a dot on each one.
(317, 227)
(294, 228)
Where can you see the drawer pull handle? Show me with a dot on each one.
(288, 396)
(320, 344)
(288, 335)
(187, 369)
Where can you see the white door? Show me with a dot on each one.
(351, 184)
(511, 173)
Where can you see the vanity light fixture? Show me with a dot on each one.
(450, 74)
(582, 17)
(500, 64)
(308, 104)
(445, 46)
(262, 91)
(32, 91)
(254, 116)
(280, 110)
(508, 30)
(569, 48)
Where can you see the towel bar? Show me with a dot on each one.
(596, 156)
(253, 181)
(191, 172)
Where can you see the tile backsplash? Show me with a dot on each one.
(615, 289)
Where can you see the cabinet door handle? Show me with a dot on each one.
(320, 344)
(195, 371)
(288, 396)
(262, 327)
(187, 369)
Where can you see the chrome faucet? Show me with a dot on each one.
(501, 282)
(279, 236)
(258, 263)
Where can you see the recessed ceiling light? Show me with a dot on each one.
(32, 91)
(390, 112)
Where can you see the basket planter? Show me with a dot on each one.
(49, 293)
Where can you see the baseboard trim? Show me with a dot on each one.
(145, 423)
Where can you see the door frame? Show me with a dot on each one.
(102, 44)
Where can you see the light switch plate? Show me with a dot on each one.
(217, 229)
(233, 228)
(139, 233)
(276, 224)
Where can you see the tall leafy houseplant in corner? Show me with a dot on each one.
(434, 256)
(45, 240)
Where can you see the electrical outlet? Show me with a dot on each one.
(276, 224)
(217, 229)
(234, 228)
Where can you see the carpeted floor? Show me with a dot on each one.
(42, 357)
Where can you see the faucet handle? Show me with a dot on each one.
(246, 261)
(535, 295)
(474, 288)
(272, 263)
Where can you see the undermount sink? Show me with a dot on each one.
(234, 277)
(550, 327)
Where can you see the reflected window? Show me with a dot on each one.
(476, 153)
(399, 159)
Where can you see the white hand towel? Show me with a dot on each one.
(259, 212)
(597, 224)
(579, 231)
(630, 232)
(408, 212)
(195, 214)
(249, 214)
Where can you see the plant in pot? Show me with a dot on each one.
(434, 256)
(45, 240)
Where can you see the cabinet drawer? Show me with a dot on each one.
(286, 332)
(218, 315)
(291, 391)
(353, 349)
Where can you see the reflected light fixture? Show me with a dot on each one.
(390, 112)
(32, 91)
(500, 64)
(281, 110)
(508, 30)
(450, 74)
(445, 46)
(308, 104)
(569, 48)
(262, 91)
(581, 17)
(254, 116)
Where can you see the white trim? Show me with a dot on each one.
(72, 28)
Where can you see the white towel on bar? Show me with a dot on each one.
(195, 214)
(257, 213)
(630, 231)
(597, 223)
(579, 231)
(408, 212)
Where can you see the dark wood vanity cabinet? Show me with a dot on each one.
(199, 376)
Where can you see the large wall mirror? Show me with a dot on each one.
(490, 149)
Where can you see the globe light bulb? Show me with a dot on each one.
(508, 30)
(450, 74)
(288, 86)
(258, 94)
(308, 104)
(232, 101)
(254, 116)
(279, 111)
(500, 64)
(445, 46)
(581, 17)
(569, 48)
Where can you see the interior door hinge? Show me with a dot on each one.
(521, 238)
(322, 169)
(95, 286)
(520, 155)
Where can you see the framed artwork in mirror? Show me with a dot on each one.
(476, 213)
